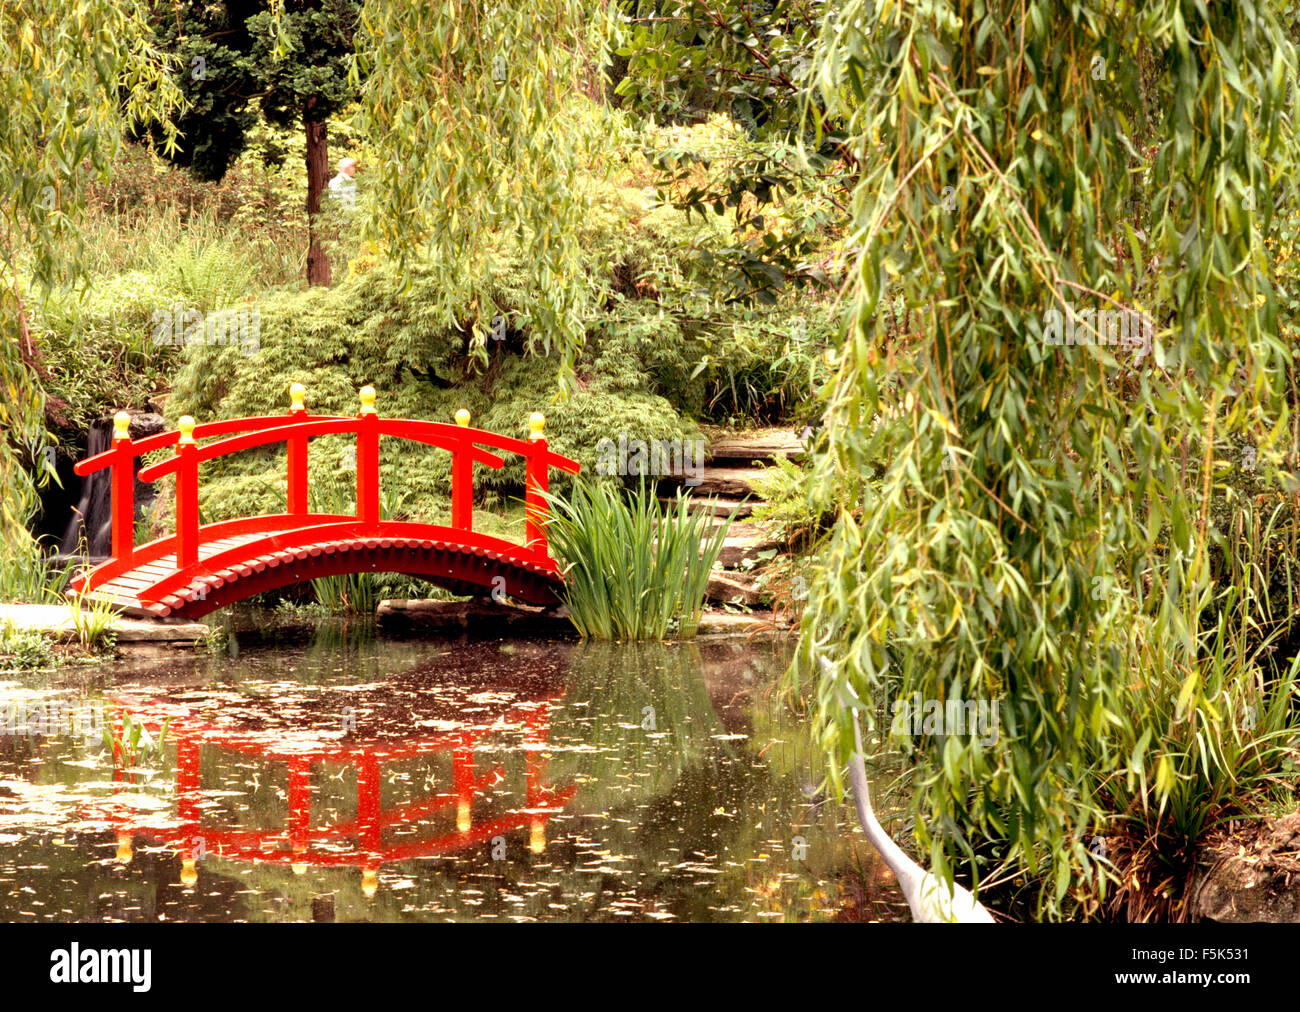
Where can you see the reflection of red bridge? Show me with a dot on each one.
(201, 568)
(364, 841)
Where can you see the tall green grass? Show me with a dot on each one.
(633, 571)
(1198, 744)
(92, 621)
(25, 576)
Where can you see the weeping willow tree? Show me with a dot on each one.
(474, 108)
(1030, 519)
(74, 79)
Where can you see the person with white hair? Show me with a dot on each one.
(343, 187)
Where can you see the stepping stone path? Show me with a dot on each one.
(727, 483)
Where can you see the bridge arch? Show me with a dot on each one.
(200, 568)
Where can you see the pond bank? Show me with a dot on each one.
(412, 616)
(1250, 872)
(401, 617)
(56, 621)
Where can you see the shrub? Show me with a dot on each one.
(24, 649)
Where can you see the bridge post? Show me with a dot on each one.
(123, 488)
(299, 808)
(369, 828)
(368, 459)
(297, 446)
(187, 495)
(462, 480)
(536, 481)
(189, 783)
(462, 782)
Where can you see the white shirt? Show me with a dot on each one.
(344, 188)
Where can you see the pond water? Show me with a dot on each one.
(342, 776)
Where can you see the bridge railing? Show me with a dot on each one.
(295, 428)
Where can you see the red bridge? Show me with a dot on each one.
(201, 568)
(401, 831)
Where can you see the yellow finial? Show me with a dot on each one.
(537, 835)
(124, 849)
(296, 393)
(299, 868)
(121, 426)
(462, 417)
(367, 400)
(369, 881)
(189, 874)
(463, 821)
(536, 422)
(186, 425)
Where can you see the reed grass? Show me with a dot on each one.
(633, 571)
(93, 622)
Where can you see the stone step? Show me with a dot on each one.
(56, 620)
(726, 623)
(733, 588)
(731, 482)
(717, 506)
(745, 541)
(761, 444)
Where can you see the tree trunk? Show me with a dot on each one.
(318, 264)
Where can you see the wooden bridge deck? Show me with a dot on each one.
(262, 565)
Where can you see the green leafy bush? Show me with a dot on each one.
(376, 329)
(1196, 749)
(24, 649)
(785, 506)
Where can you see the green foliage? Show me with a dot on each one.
(633, 571)
(153, 241)
(130, 741)
(784, 506)
(1196, 752)
(208, 276)
(1037, 525)
(686, 59)
(24, 649)
(349, 592)
(483, 126)
(385, 325)
(26, 574)
(381, 328)
(73, 80)
(92, 621)
(766, 367)
(290, 61)
(100, 347)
